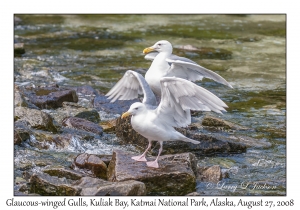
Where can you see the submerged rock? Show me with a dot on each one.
(211, 122)
(174, 177)
(82, 124)
(210, 174)
(36, 118)
(101, 103)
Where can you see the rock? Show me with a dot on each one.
(21, 132)
(174, 177)
(101, 103)
(210, 174)
(212, 122)
(82, 124)
(50, 97)
(70, 109)
(44, 184)
(209, 145)
(20, 100)
(36, 118)
(19, 49)
(98, 187)
(108, 126)
(63, 172)
(93, 163)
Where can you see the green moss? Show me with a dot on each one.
(40, 19)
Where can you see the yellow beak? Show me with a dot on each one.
(148, 49)
(126, 114)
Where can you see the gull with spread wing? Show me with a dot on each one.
(165, 64)
(157, 122)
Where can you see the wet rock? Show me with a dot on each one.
(209, 145)
(98, 187)
(249, 141)
(21, 132)
(210, 174)
(19, 49)
(19, 99)
(203, 52)
(82, 124)
(86, 95)
(70, 109)
(36, 118)
(45, 140)
(174, 177)
(93, 163)
(101, 103)
(50, 97)
(63, 172)
(211, 122)
(44, 184)
(108, 126)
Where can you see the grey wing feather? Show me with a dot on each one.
(179, 96)
(151, 55)
(129, 86)
(188, 69)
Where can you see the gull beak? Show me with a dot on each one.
(126, 114)
(148, 49)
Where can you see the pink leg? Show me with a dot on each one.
(154, 164)
(142, 157)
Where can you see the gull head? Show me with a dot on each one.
(135, 109)
(160, 46)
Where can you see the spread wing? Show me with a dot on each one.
(129, 86)
(188, 69)
(179, 96)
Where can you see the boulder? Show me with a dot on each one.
(174, 177)
(44, 184)
(36, 118)
(98, 187)
(70, 109)
(82, 124)
(92, 163)
(63, 172)
(209, 145)
(210, 122)
(21, 132)
(50, 97)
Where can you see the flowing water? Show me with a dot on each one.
(249, 52)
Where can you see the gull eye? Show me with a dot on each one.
(136, 108)
(159, 44)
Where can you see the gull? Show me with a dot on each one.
(157, 122)
(165, 64)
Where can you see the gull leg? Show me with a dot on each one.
(142, 157)
(154, 164)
